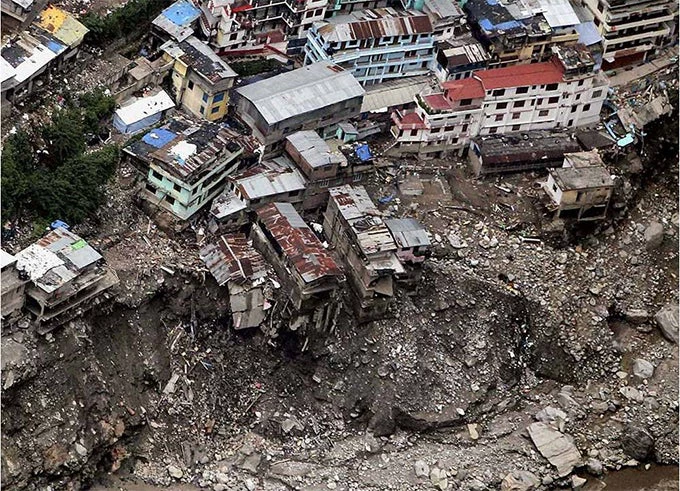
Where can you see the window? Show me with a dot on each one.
(190, 85)
(414, 132)
(597, 94)
(573, 108)
(218, 97)
(492, 130)
(465, 102)
(579, 196)
(518, 104)
(522, 90)
(515, 127)
(499, 117)
(498, 92)
(170, 200)
(294, 193)
(254, 201)
(205, 97)
(465, 127)
(358, 177)
(177, 187)
(233, 36)
(555, 187)
(551, 87)
(501, 105)
(570, 122)
(586, 108)
(553, 100)
(578, 96)
(150, 188)
(539, 102)
(435, 130)
(202, 109)
(516, 115)
(215, 109)
(156, 175)
(580, 83)
(543, 112)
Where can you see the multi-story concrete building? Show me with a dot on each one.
(186, 164)
(633, 29)
(67, 276)
(457, 58)
(447, 18)
(562, 93)
(375, 45)
(354, 226)
(200, 79)
(12, 284)
(522, 31)
(18, 9)
(317, 96)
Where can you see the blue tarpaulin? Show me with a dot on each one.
(182, 13)
(363, 152)
(487, 25)
(158, 138)
(59, 223)
(588, 33)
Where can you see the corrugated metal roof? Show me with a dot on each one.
(408, 232)
(28, 56)
(300, 91)
(144, 107)
(365, 220)
(269, 179)
(62, 25)
(56, 259)
(520, 75)
(376, 24)
(203, 60)
(394, 93)
(467, 88)
(314, 149)
(232, 258)
(226, 204)
(298, 242)
(444, 9)
(558, 13)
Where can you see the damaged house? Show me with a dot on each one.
(581, 189)
(307, 271)
(12, 284)
(67, 277)
(186, 164)
(317, 96)
(234, 262)
(327, 163)
(355, 228)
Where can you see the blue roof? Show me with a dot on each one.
(487, 25)
(588, 33)
(182, 13)
(363, 152)
(158, 138)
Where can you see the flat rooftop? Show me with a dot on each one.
(314, 149)
(524, 146)
(203, 60)
(577, 178)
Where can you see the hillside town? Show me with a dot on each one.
(353, 245)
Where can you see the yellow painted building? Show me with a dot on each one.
(201, 80)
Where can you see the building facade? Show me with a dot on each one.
(374, 45)
(562, 93)
(12, 283)
(317, 96)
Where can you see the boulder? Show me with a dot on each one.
(421, 468)
(577, 482)
(520, 481)
(558, 448)
(653, 235)
(637, 442)
(594, 467)
(643, 369)
(667, 320)
(175, 472)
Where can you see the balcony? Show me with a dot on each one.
(408, 121)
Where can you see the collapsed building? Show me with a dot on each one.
(307, 271)
(355, 228)
(67, 277)
(234, 262)
(12, 284)
(581, 189)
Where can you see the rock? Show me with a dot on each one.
(643, 369)
(250, 463)
(175, 472)
(636, 316)
(552, 416)
(289, 424)
(667, 320)
(472, 429)
(219, 487)
(637, 442)
(520, 481)
(331, 485)
(80, 450)
(556, 447)
(438, 478)
(594, 467)
(547, 481)
(565, 400)
(250, 485)
(600, 407)
(632, 394)
(653, 236)
(476, 485)
(421, 468)
(577, 482)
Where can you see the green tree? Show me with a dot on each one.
(96, 106)
(18, 173)
(65, 137)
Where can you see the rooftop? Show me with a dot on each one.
(314, 149)
(467, 88)
(443, 9)
(62, 25)
(395, 92)
(559, 13)
(6, 258)
(408, 232)
(270, 178)
(583, 159)
(143, 107)
(227, 204)
(365, 220)
(577, 57)
(520, 75)
(468, 53)
(531, 145)
(56, 259)
(303, 90)
(176, 20)
(492, 16)
(233, 258)
(375, 24)
(573, 178)
(186, 148)
(298, 242)
(203, 60)
(27, 55)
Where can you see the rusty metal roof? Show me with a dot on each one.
(376, 24)
(298, 242)
(233, 258)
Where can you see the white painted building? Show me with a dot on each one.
(375, 45)
(562, 93)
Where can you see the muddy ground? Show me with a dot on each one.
(156, 389)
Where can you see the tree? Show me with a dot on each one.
(18, 173)
(96, 106)
(65, 137)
